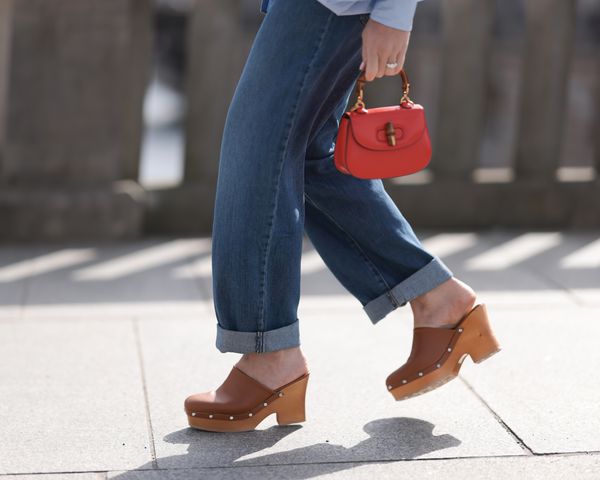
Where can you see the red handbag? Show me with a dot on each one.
(383, 142)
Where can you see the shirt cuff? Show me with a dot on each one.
(397, 14)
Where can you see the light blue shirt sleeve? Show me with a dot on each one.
(392, 13)
(395, 13)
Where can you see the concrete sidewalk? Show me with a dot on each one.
(100, 344)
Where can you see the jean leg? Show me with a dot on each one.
(259, 214)
(361, 234)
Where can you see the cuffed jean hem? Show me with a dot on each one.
(260, 342)
(420, 282)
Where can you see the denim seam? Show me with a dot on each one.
(352, 242)
(259, 339)
(285, 144)
(405, 290)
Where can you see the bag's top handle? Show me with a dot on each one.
(360, 90)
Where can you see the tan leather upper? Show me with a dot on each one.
(429, 347)
(239, 393)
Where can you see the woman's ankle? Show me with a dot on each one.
(443, 305)
(274, 368)
(284, 355)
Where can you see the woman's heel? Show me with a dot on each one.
(292, 406)
(482, 343)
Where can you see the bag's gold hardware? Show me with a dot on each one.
(360, 91)
(405, 88)
(390, 133)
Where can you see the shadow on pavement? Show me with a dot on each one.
(398, 438)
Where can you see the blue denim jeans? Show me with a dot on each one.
(277, 180)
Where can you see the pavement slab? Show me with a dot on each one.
(544, 384)
(71, 397)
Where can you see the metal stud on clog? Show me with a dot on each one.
(420, 374)
(438, 365)
(449, 349)
(460, 330)
(250, 414)
(389, 387)
(281, 394)
(230, 418)
(403, 381)
(265, 404)
(193, 414)
(211, 416)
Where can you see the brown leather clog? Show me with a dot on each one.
(240, 403)
(437, 354)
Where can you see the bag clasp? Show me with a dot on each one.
(390, 133)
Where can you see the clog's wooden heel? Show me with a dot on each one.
(479, 341)
(292, 406)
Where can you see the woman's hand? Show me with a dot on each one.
(380, 45)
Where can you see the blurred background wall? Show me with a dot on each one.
(73, 76)
(111, 113)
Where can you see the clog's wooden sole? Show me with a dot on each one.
(289, 408)
(476, 341)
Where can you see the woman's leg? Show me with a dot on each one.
(300, 57)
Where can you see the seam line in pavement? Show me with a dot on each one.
(509, 430)
(582, 453)
(138, 343)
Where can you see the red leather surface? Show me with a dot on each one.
(368, 129)
(339, 156)
(362, 149)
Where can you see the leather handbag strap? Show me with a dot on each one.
(360, 90)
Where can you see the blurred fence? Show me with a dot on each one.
(73, 74)
(531, 188)
(72, 80)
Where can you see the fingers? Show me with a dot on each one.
(378, 59)
(371, 61)
(382, 60)
(375, 66)
(382, 45)
(372, 67)
(364, 56)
